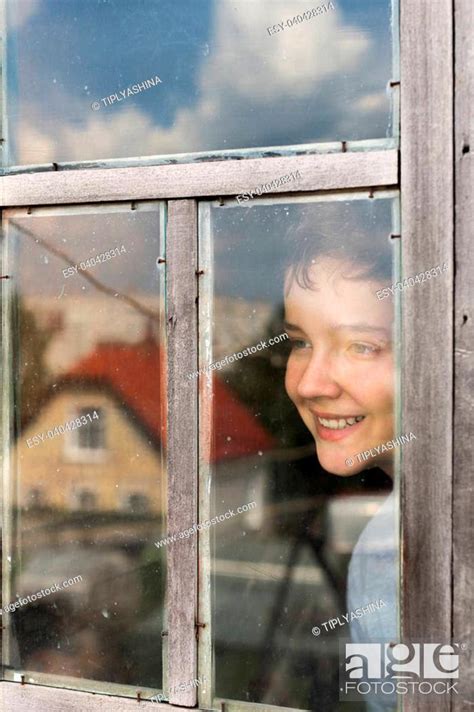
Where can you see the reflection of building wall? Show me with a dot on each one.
(113, 320)
(59, 475)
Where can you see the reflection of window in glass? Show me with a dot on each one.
(91, 435)
(35, 498)
(137, 503)
(84, 500)
(87, 442)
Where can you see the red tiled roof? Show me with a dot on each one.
(136, 372)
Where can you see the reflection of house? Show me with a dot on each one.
(115, 461)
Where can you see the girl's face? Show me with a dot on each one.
(340, 371)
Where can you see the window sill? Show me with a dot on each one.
(15, 697)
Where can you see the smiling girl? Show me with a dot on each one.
(340, 377)
(340, 373)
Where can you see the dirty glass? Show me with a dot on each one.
(301, 385)
(84, 586)
(100, 79)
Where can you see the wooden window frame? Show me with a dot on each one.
(435, 176)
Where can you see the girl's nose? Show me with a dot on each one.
(318, 380)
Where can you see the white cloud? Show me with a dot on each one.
(291, 61)
(247, 74)
(371, 102)
(20, 11)
(36, 146)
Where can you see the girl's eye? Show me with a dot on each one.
(364, 349)
(298, 344)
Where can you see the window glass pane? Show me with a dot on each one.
(299, 442)
(87, 479)
(93, 79)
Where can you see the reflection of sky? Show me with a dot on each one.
(37, 270)
(225, 82)
(249, 244)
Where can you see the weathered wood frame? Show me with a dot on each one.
(437, 519)
(427, 241)
(463, 443)
(182, 449)
(333, 172)
(437, 495)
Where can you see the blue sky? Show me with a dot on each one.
(225, 82)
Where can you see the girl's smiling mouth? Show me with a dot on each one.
(330, 426)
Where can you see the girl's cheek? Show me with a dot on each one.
(294, 372)
(289, 378)
(380, 388)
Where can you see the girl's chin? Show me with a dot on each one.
(340, 466)
(341, 470)
(351, 466)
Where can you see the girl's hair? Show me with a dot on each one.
(368, 255)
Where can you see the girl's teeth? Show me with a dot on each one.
(341, 422)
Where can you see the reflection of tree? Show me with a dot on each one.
(29, 370)
(111, 291)
(259, 380)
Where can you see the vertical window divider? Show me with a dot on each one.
(6, 436)
(182, 446)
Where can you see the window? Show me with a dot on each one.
(171, 74)
(277, 577)
(35, 498)
(85, 499)
(87, 424)
(192, 202)
(137, 503)
(91, 434)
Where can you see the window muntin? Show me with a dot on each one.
(225, 82)
(85, 341)
(277, 577)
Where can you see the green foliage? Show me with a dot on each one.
(30, 375)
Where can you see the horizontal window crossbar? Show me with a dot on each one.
(337, 171)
